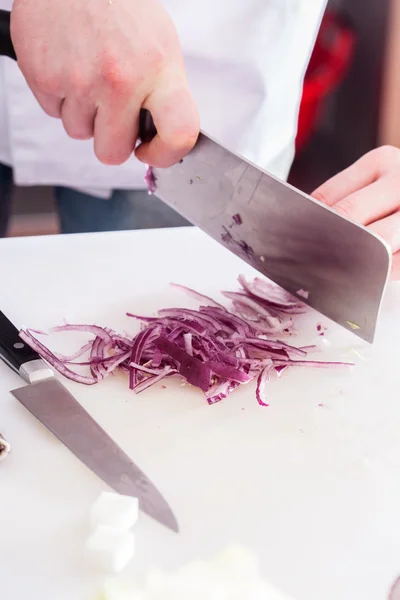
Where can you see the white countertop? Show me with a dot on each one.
(315, 490)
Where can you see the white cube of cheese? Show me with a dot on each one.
(115, 510)
(109, 549)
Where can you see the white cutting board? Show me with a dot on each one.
(315, 490)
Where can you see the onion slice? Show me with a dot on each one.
(5, 448)
(211, 348)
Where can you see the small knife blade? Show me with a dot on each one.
(56, 408)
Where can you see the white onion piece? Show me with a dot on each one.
(232, 575)
(115, 510)
(108, 549)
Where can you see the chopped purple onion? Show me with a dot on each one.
(151, 180)
(211, 348)
(394, 593)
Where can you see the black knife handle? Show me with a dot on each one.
(6, 45)
(13, 350)
(147, 130)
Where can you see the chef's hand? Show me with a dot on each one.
(369, 192)
(95, 63)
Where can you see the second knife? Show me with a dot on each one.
(53, 405)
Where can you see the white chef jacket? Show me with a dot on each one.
(245, 61)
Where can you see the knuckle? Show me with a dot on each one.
(46, 83)
(346, 208)
(157, 59)
(109, 157)
(117, 75)
(77, 133)
(184, 137)
(79, 82)
(387, 156)
(319, 195)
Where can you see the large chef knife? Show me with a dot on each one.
(340, 268)
(51, 403)
(283, 233)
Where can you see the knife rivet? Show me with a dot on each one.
(19, 345)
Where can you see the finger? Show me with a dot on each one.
(365, 171)
(389, 229)
(395, 273)
(177, 122)
(78, 117)
(116, 129)
(373, 202)
(50, 104)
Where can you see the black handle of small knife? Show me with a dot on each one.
(6, 45)
(147, 129)
(13, 351)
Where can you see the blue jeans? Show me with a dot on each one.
(81, 213)
(5, 198)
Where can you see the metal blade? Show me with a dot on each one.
(286, 235)
(52, 404)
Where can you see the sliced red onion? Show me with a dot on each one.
(150, 381)
(144, 369)
(269, 293)
(143, 338)
(269, 345)
(221, 391)
(186, 314)
(98, 353)
(100, 332)
(54, 361)
(192, 369)
(310, 349)
(228, 372)
(315, 364)
(5, 448)
(262, 380)
(280, 369)
(200, 297)
(116, 361)
(303, 294)
(188, 343)
(70, 357)
(156, 358)
(233, 321)
(150, 180)
(257, 308)
(212, 348)
(394, 593)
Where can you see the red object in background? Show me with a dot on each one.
(329, 63)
